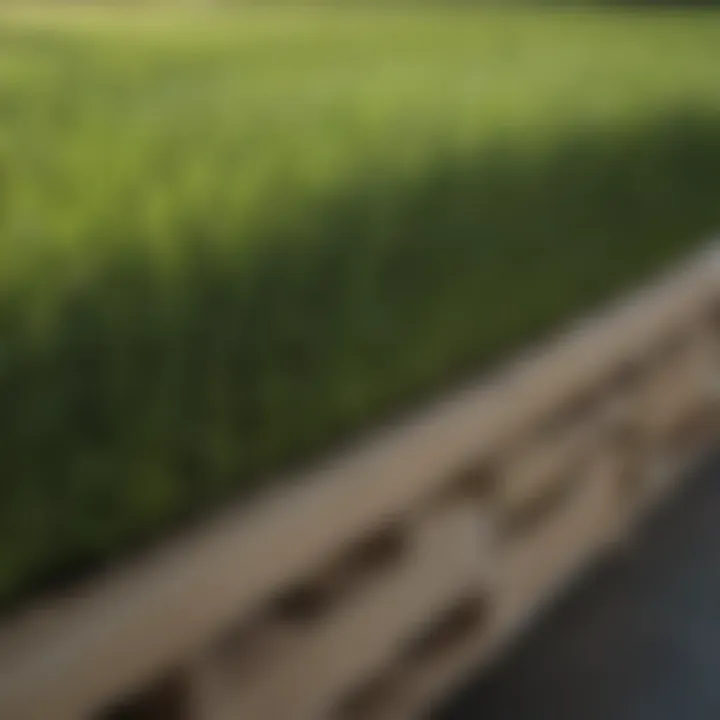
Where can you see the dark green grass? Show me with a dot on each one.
(223, 250)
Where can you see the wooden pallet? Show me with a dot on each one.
(365, 586)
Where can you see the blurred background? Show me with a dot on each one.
(235, 236)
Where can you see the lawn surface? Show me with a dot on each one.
(228, 239)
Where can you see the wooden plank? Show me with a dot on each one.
(536, 562)
(449, 555)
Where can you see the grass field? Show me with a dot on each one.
(228, 239)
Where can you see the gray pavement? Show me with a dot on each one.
(636, 639)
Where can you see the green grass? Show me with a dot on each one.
(227, 240)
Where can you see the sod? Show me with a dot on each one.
(229, 239)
